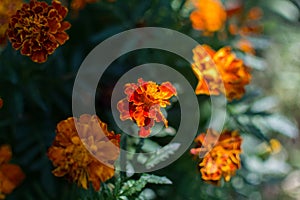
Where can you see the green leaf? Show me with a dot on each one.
(264, 104)
(150, 146)
(282, 125)
(254, 62)
(132, 187)
(162, 154)
(150, 178)
(170, 131)
(146, 194)
(257, 132)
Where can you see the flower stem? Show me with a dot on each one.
(123, 156)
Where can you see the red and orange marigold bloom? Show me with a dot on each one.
(209, 16)
(37, 29)
(76, 157)
(220, 72)
(221, 155)
(11, 175)
(143, 103)
(7, 9)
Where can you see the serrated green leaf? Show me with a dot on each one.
(131, 187)
(162, 154)
(150, 146)
(170, 131)
(150, 178)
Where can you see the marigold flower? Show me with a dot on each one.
(7, 9)
(221, 156)
(38, 29)
(215, 69)
(11, 175)
(209, 16)
(72, 156)
(143, 103)
(244, 25)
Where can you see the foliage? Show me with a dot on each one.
(37, 96)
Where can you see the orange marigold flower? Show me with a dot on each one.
(215, 69)
(11, 175)
(143, 103)
(77, 5)
(209, 16)
(244, 25)
(72, 156)
(38, 29)
(7, 9)
(221, 156)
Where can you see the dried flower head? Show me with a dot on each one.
(38, 29)
(11, 175)
(7, 9)
(220, 72)
(221, 156)
(143, 103)
(72, 156)
(209, 16)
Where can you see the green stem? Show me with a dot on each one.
(123, 156)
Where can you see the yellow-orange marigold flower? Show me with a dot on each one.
(38, 29)
(77, 5)
(209, 16)
(219, 72)
(72, 156)
(11, 175)
(221, 158)
(7, 9)
(143, 103)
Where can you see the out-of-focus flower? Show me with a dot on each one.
(242, 24)
(221, 155)
(1, 102)
(143, 103)
(245, 46)
(11, 175)
(219, 72)
(38, 29)
(7, 9)
(77, 5)
(72, 156)
(275, 146)
(209, 16)
(271, 147)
